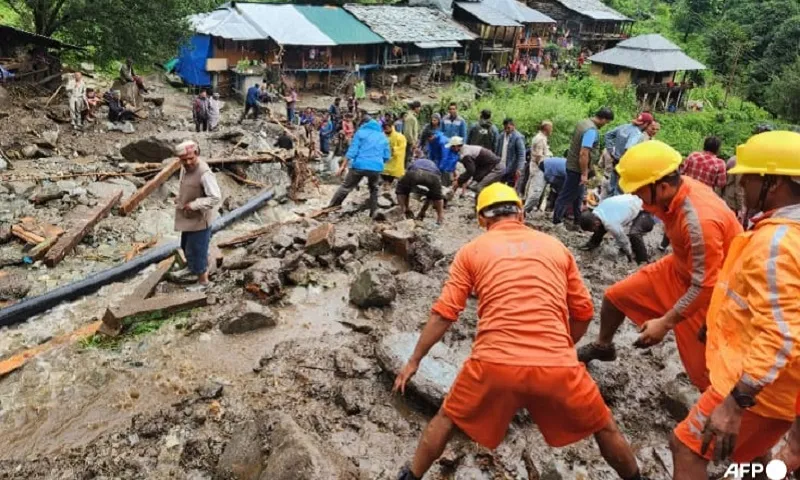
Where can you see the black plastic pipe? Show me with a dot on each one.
(24, 310)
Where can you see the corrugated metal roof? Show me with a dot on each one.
(225, 23)
(7, 32)
(284, 24)
(441, 44)
(518, 11)
(594, 9)
(339, 25)
(409, 24)
(487, 14)
(649, 54)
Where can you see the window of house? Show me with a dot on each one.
(610, 70)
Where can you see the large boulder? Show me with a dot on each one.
(160, 147)
(246, 317)
(374, 287)
(437, 371)
(264, 275)
(242, 457)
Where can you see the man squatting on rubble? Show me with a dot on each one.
(623, 216)
(481, 165)
(533, 308)
(195, 210)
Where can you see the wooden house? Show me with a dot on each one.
(594, 24)
(27, 57)
(421, 43)
(304, 45)
(651, 63)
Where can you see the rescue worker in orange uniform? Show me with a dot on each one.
(533, 307)
(753, 341)
(790, 453)
(672, 293)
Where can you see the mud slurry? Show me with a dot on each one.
(152, 408)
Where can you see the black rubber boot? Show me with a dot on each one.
(593, 351)
(405, 474)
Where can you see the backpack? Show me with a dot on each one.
(481, 135)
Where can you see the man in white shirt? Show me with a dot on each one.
(540, 149)
(622, 215)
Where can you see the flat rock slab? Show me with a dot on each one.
(374, 287)
(246, 317)
(436, 373)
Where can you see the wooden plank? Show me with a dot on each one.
(69, 240)
(25, 235)
(130, 204)
(242, 239)
(114, 318)
(40, 250)
(145, 289)
(16, 361)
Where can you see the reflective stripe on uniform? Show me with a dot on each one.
(698, 256)
(777, 313)
(738, 300)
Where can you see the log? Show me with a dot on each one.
(16, 361)
(69, 240)
(114, 318)
(145, 289)
(130, 204)
(27, 236)
(242, 239)
(243, 180)
(22, 311)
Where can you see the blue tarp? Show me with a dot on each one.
(192, 61)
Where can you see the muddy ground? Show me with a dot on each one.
(308, 395)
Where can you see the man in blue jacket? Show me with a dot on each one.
(510, 147)
(251, 102)
(442, 155)
(454, 125)
(368, 151)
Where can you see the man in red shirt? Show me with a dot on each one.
(706, 166)
(533, 308)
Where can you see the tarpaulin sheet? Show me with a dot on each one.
(192, 61)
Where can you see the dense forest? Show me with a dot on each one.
(750, 46)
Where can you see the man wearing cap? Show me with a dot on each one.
(195, 210)
(532, 308)
(481, 165)
(619, 140)
(441, 154)
(674, 292)
(753, 338)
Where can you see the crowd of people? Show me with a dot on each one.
(731, 297)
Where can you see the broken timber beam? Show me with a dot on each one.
(130, 204)
(75, 234)
(242, 239)
(40, 250)
(27, 236)
(145, 289)
(114, 318)
(16, 361)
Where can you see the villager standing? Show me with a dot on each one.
(706, 166)
(540, 149)
(368, 153)
(673, 293)
(440, 153)
(584, 143)
(533, 308)
(619, 140)
(77, 100)
(411, 129)
(484, 133)
(335, 111)
(128, 75)
(251, 102)
(395, 168)
(453, 124)
(201, 111)
(753, 338)
(291, 102)
(327, 129)
(214, 105)
(195, 210)
(435, 125)
(510, 147)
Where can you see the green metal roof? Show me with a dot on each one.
(339, 25)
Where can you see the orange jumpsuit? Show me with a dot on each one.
(529, 287)
(754, 335)
(700, 227)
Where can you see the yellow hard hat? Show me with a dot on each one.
(646, 163)
(769, 153)
(497, 193)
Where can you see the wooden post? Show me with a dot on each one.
(133, 202)
(75, 234)
(666, 104)
(655, 102)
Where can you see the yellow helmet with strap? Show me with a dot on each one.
(495, 194)
(647, 163)
(769, 153)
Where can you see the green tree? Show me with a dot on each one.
(779, 53)
(783, 93)
(691, 16)
(145, 30)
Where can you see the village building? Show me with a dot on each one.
(307, 46)
(497, 34)
(595, 25)
(422, 44)
(651, 63)
(27, 57)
